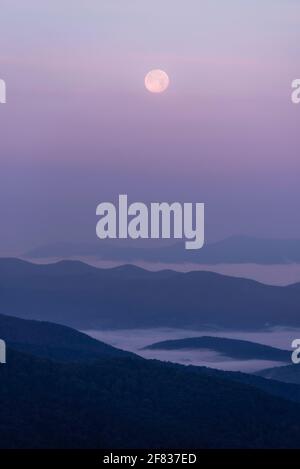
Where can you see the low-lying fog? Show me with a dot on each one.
(135, 339)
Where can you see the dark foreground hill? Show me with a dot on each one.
(66, 345)
(53, 341)
(125, 403)
(84, 297)
(233, 348)
(121, 401)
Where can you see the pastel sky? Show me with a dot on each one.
(79, 127)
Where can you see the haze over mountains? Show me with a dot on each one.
(85, 297)
(233, 250)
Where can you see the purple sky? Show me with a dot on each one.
(79, 127)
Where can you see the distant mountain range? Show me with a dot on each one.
(233, 250)
(121, 401)
(232, 348)
(76, 294)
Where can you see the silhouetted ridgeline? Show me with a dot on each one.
(54, 341)
(121, 401)
(233, 348)
(85, 297)
(286, 374)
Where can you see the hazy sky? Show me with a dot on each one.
(80, 128)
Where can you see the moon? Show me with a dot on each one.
(157, 81)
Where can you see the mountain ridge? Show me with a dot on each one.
(58, 342)
(100, 405)
(236, 249)
(232, 348)
(136, 298)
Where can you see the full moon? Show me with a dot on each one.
(157, 81)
